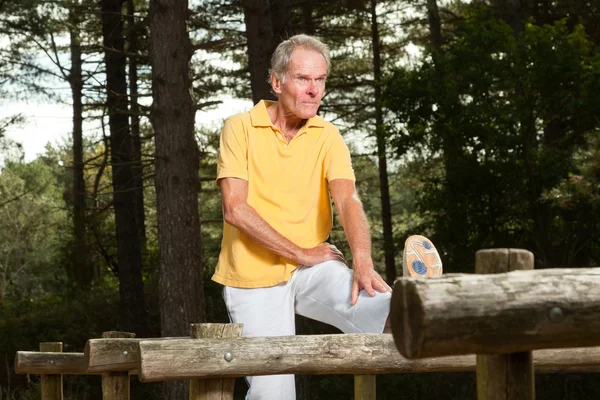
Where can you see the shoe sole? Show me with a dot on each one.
(420, 258)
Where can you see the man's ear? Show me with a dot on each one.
(275, 83)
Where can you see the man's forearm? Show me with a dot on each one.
(247, 220)
(356, 228)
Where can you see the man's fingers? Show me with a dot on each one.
(381, 286)
(354, 294)
(369, 288)
(335, 249)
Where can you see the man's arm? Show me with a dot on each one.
(237, 212)
(356, 228)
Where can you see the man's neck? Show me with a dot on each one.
(287, 123)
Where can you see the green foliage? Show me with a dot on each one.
(494, 122)
(30, 213)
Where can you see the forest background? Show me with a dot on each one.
(486, 136)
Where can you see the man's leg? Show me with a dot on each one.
(264, 312)
(322, 292)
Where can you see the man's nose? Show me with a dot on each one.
(313, 88)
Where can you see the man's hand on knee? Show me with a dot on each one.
(368, 279)
(321, 253)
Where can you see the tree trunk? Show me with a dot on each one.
(386, 212)
(136, 144)
(308, 22)
(451, 147)
(259, 36)
(132, 311)
(82, 270)
(181, 293)
(281, 12)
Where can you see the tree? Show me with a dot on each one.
(380, 135)
(134, 29)
(266, 24)
(133, 310)
(75, 80)
(497, 131)
(29, 213)
(177, 164)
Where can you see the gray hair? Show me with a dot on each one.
(280, 60)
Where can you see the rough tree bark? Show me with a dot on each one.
(281, 12)
(132, 309)
(308, 22)
(181, 293)
(261, 36)
(136, 144)
(82, 270)
(386, 212)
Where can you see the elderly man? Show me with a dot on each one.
(277, 166)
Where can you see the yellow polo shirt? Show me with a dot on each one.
(287, 186)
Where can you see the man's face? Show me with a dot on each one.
(301, 92)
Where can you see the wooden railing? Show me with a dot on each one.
(506, 315)
(448, 318)
(182, 358)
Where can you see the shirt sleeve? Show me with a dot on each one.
(233, 151)
(338, 163)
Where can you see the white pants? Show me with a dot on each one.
(321, 292)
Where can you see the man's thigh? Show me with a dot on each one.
(263, 311)
(322, 292)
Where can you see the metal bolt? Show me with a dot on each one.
(228, 357)
(52, 362)
(556, 314)
(125, 353)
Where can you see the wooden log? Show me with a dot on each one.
(33, 362)
(111, 354)
(51, 384)
(216, 388)
(318, 354)
(115, 385)
(504, 376)
(364, 387)
(496, 314)
(114, 354)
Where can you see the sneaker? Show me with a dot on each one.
(420, 258)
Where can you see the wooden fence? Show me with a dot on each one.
(503, 317)
(450, 318)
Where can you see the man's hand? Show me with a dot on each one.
(320, 253)
(365, 277)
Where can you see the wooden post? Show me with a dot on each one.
(364, 387)
(52, 388)
(115, 385)
(505, 376)
(219, 388)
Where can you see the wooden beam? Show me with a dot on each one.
(105, 355)
(33, 362)
(504, 376)
(365, 387)
(115, 384)
(113, 354)
(496, 314)
(318, 354)
(215, 388)
(51, 384)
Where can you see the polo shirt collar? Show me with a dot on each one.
(259, 116)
